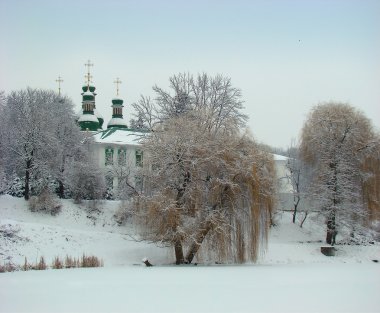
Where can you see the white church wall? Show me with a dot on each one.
(109, 157)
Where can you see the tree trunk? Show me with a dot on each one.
(61, 189)
(178, 249)
(202, 233)
(331, 225)
(331, 229)
(27, 179)
(295, 208)
(304, 219)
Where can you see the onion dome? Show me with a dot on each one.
(88, 122)
(92, 88)
(117, 101)
(117, 122)
(88, 96)
(117, 114)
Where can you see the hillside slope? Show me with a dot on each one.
(75, 231)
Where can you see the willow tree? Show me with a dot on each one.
(205, 188)
(371, 183)
(337, 143)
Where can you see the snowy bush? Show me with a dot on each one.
(45, 202)
(123, 214)
(3, 182)
(15, 186)
(94, 206)
(9, 231)
(109, 194)
(85, 181)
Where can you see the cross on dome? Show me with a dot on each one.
(117, 82)
(59, 81)
(88, 75)
(88, 78)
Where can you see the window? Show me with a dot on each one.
(109, 156)
(122, 157)
(139, 158)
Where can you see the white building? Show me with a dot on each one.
(117, 152)
(117, 148)
(284, 186)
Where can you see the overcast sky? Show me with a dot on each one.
(285, 55)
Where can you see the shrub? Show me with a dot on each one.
(9, 231)
(45, 202)
(27, 266)
(57, 263)
(70, 262)
(7, 267)
(91, 261)
(41, 265)
(122, 215)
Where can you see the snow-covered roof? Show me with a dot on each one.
(97, 114)
(120, 136)
(117, 121)
(88, 118)
(278, 157)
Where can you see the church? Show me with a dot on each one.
(116, 147)
(117, 150)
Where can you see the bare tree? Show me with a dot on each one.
(336, 139)
(215, 97)
(298, 178)
(205, 189)
(146, 112)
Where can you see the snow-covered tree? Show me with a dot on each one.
(336, 140)
(85, 180)
(69, 142)
(125, 174)
(215, 97)
(211, 189)
(3, 183)
(371, 180)
(38, 132)
(298, 178)
(138, 123)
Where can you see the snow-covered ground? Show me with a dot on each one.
(293, 276)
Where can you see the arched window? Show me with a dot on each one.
(122, 157)
(109, 156)
(139, 158)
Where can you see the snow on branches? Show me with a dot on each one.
(336, 142)
(205, 189)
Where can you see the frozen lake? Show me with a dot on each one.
(260, 288)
